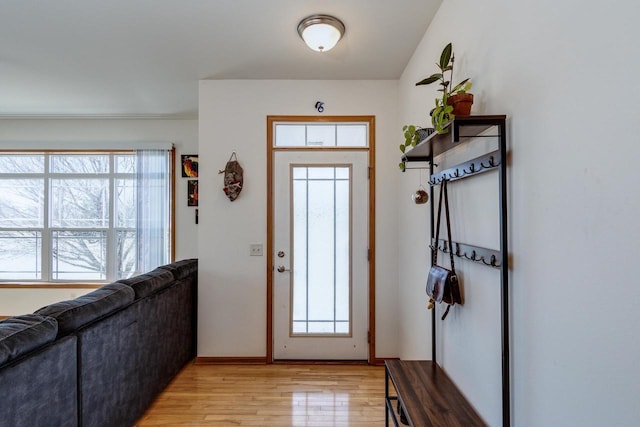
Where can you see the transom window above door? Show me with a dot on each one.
(321, 134)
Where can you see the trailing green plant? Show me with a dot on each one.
(443, 112)
(411, 138)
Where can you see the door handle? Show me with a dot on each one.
(281, 269)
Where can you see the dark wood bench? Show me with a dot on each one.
(426, 396)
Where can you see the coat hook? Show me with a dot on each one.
(491, 163)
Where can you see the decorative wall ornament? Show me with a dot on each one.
(233, 178)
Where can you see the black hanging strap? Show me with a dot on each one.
(444, 194)
(446, 211)
(435, 252)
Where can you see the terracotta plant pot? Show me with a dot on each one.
(461, 103)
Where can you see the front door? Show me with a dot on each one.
(320, 254)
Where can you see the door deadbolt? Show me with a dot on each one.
(280, 254)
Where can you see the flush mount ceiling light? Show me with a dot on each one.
(321, 32)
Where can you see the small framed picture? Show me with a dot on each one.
(192, 192)
(189, 165)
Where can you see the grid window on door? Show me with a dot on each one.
(321, 256)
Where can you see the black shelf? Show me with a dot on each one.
(461, 129)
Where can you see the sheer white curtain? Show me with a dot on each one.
(153, 226)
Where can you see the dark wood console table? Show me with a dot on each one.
(427, 396)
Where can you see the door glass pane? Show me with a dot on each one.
(321, 237)
(342, 173)
(342, 264)
(299, 241)
(20, 255)
(319, 175)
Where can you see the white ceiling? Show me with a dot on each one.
(145, 57)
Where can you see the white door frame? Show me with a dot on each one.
(271, 120)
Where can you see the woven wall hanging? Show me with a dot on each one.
(233, 179)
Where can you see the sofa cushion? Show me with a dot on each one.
(73, 314)
(182, 269)
(148, 283)
(21, 334)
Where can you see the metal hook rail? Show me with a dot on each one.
(488, 257)
(472, 167)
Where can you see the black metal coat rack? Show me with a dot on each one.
(462, 130)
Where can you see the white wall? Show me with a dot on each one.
(232, 284)
(101, 134)
(566, 75)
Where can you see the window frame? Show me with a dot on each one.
(112, 231)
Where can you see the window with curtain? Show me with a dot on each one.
(84, 216)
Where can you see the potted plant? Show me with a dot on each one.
(455, 100)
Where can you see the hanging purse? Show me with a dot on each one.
(442, 283)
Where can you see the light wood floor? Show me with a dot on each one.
(271, 395)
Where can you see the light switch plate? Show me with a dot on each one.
(255, 249)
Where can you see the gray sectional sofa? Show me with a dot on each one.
(102, 358)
